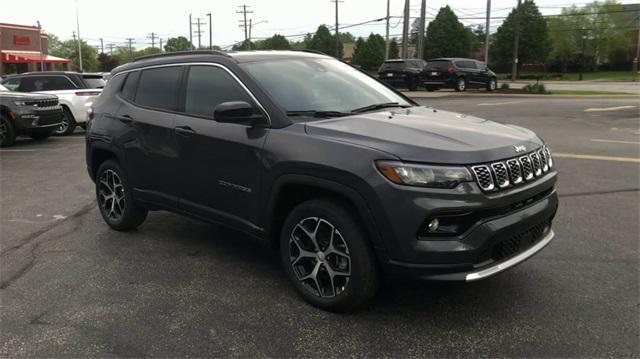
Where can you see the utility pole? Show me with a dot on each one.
(486, 34)
(386, 36)
(190, 32)
(161, 50)
(78, 28)
(199, 21)
(423, 20)
(338, 42)
(101, 45)
(250, 28)
(516, 42)
(40, 42)
(635, 61)
(210, 32)
(152, 36)
(584, 45)
(110, 46)
(245, 24)
(130, 41)
(405, 31)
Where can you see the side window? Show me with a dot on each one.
(471, 64)
(32, 83)
(130, 85)
(159, 88)
(459, 64)
(12, 84)
(209, 86)
(54, 83)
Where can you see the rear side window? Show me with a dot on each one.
(159, 88)
(129, 88)
(209, 86)
(438, 65)
(46, 83)
(94, 82)
(393, 65)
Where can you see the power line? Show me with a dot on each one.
(245, 24)
(199, 21)
(153, 37)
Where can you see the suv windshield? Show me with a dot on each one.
(319, 84)
(94, 82)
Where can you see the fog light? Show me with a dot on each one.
(433, 225)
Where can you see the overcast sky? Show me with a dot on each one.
(116, 20)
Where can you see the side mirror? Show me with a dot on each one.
(239, 112)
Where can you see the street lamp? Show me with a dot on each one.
(584, 40)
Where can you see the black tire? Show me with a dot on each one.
(124, 214)
(83, 125)
(353, 254)
(461, 85)
(492, 85)
(7, 132)
(431, 88)
(68, 123)
(40, 135)
(412, 84)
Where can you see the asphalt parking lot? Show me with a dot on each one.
(177, 287)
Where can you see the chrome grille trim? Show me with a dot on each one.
(484, 177)
(513, 171)
(500, 173)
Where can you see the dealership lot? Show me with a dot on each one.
(176, 287)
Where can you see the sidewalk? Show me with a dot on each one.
(608, 86)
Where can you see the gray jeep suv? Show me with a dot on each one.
(351, 180)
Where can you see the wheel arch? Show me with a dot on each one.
(98, 154)
(291, 190)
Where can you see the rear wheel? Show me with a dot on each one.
(68, 124)
(412, 84)
(7, 132)
(461, 85)
(326, 256)
(492, 85)
(115, 199)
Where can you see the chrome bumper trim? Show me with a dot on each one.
(511, 262)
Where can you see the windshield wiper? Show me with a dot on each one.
(316, 113)
(378, 106)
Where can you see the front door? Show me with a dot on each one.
(221, 162)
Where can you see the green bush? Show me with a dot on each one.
(537, 88)
(504, 86)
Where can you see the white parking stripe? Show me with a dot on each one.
(498, 103)
(18, 150)
(602, 109)
(615, 141)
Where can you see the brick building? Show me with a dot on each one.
(20, 50)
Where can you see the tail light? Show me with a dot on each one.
(450, 69)
(87, 93)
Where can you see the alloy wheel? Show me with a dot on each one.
(461, 84)
(320, 257)
(492, 85)
(63, 126)
(111, 194)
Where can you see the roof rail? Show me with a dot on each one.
(181, 53)
(312, 51)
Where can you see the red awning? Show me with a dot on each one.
(16, 57)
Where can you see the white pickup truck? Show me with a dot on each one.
(76, 92)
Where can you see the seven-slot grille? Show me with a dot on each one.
(513, 171)
(43, 103)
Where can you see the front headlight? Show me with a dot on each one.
(424, 175)
(20, 103)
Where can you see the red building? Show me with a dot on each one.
(24, 48)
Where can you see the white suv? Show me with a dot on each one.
(76, 92)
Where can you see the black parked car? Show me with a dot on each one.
(34, 115)
(349, 178)
(458, 74)
(405, 73)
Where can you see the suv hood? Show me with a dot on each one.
(11, 95)
(421, 134)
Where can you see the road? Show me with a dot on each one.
(177, 287)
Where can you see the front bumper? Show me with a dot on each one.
(512, 227)
(31, 120)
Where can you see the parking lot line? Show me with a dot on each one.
(602, 109)
(21, 150)
(615, 141)
(595, 157)
(498, 103)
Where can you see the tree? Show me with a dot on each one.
(534, 39)
(447, 37)
(275, 42)
(179, 43)
(356, 50)
(347, 38)
(370, 54)
(303, 44)
(324, 42)
(394, 51)
(69, 49)
(245, 45)
(106, 62)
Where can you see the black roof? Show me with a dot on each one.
(216, 56)
(452, 59)
(40, 73)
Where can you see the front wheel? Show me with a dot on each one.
(7, 132)
(327, 257)
(68, 124)
(492, 85)
(115, 199)
(461, 85)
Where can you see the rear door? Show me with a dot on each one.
(220, 162)
(146, 120)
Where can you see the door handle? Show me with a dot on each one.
(185, 131)
(125, 119)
